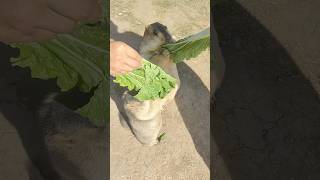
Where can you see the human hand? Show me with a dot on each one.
(123, 58)
(36, 20)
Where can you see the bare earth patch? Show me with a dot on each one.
(184, 151)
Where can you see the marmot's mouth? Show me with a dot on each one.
(155, 52)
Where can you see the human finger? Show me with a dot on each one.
(133, 63)
(132, 53)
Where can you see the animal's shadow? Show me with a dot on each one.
(270, 112)
(22, 116)
(21, 98)
(190, 99)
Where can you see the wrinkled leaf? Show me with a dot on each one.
(150, 82)
(189, 47)
(75, 60)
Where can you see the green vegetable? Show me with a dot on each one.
(150, 81)
(161, 137)
(80, 60)
(189, 47)
(153, 83)
(75, 60)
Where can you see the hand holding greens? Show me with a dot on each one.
(150, 81)
(80, 60)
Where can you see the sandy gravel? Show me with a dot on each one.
(184, 153)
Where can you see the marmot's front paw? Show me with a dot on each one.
(152, 143)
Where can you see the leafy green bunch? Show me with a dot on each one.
(76, 60)
(150, 81)
(79, 60)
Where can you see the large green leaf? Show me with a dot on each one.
(189, 47)
(75, 60)
(150, 82)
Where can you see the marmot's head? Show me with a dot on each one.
(154, 36)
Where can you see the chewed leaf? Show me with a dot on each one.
(150, 81)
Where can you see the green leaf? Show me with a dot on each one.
(189, 47)
(98, 107)
(160, 138)
(150, 82)
(75, 60)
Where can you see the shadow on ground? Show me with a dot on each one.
(187, 98)
(23, 117)
(270, 126)
(21, 99)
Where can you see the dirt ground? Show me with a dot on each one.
(185, 151)
(267, 122)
